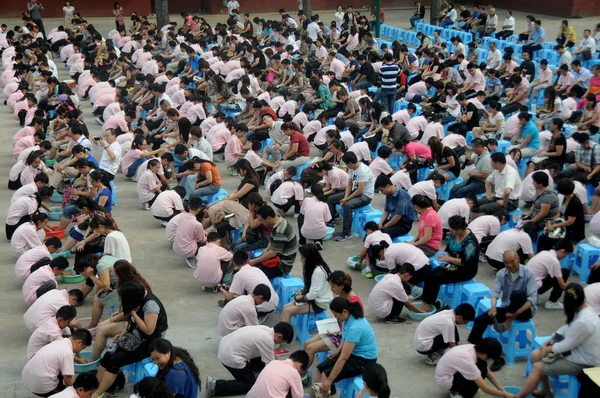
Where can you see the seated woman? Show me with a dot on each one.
(494, 125)
(429, 239)
(316, 294)
(208, 180)
(461, 258)
(358, 347)
(148, 185)
(137, 155)
(226, 216)
(87, 207)
(314, 227)
(100, 274)
(115, 243)
(146, 322)
(447, 161)
(341, 286)
(176, 368)
(22, 210)
(390, 295)
(250, 182)
(255, 235)
(545, 205)
(590, 120)
(572, 348)
(29, 234)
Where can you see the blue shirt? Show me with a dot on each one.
(492, 84)
(584, 75)
(536, 34)
(400, 204)
(359, 332)
(530, 129)
(525, 282)
(105, 192)
(389, 77)
(93, 162)
(181, 381)
(193, 62)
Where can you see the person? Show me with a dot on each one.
(314, 227)
(517, 287)
(517, 239)
(316, 294)
(358, 347)
(151, 387)
(43, 279)
(35, 254)
(146, 321)
(385, 257)
(84, 386)
(281, 378)
(555, 152)
(176, 368)
(530, 145)
(35, 11)
(398, 214)
(51, 330)
(245, 351)
(255, 235)
(115, 242)
(572, 348)
(51, 369)
(430, 234)
(278, 258)
(419, 14)
(545, 204)
(478, 175)
(27, 235)
(359, 192)
(111, 155)
(549, 274)
(215, 262)
(585, 159)
(456, 207)
(389, 85)
(463, 369)
(168, 204)
(190, 234)
(24, 210)
(506, 182)
(438, 332)
(48, 305)
(242, 311)
(249, 184)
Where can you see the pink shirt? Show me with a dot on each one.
(115, 121)
(25, 191)
(146, 186)
(48, 332)
(195, 113)
(29, 172)
(209, 258)
(460, 359)
(415, 125)
(380, 166)
(221, 137)
(337, 67)
(321, 137)
(454, 207)
(545, 263)
(419, 150)
(478, 79)
(27, 259)
(40, 374)
(45, 308)
(129, 158)
(189, 232)
(166, 203)
(431, 219)
(432, 130)
(400, 253)
(287, 190)
(361, 150)
(24, 132)
(315, 225)
(233, 147)
(22, 144)
(34, 281)
(277, 380)
(288, 107)
(254, 159)
(12, 100)
(26, 237)
(183, 110)
(337, 178)
(414, 89)
(401, 116)
(440, 324)
(311, 128)
(237, 348)
(104, 100)
(66, 52)
(246, 279)
(237, 314)
(383, 293)
(454, 141)
(484, 226)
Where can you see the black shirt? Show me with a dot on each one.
(528, 68)
(560, 141)
(247, 180)
(448, 152)
(466, 14)
(367, 70)
(474, 121)
(575, 231)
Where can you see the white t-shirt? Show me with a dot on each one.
(361, 150)
(401, 253)
(108, 164)
(592, 297)
(27, 259)
(402, 180)
(246, 279)
(442, 323)
(363, 174)
(45, 308)
(376, 237)
(116, 245)
(426, 188)
(48, 332)
(454, 207)
(512, 239)
(166, 203)
(249, 342)
(238, 313)
(287, 190)
(460, 359)
(40, 374)
(383, 293)
(484, 226)
(545, 263)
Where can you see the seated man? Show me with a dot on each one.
(278, 258)
(463, 369)
(438, 332)
(549, 274)
(244, 352)
(281, 378)
(481, 170)
(506, 182)
(242, 310)
(516, 286)
(53, 329)
(398, 214)
(51, 368)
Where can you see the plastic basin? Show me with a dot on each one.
(56, 197)
(329, 234)
(71, 277)
(55, 213)
(351, 262)
(85, 322)
(61, 254)
(514, 390)
(56, 233)
(379, 277)
(86, 367)
(419, 316)
(50, 162)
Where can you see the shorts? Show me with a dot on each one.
(561, 366)
(448, 175)
(332, 342)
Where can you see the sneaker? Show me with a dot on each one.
(395, 320)
(99, 121)
(164, 223)
(191, 262)
(432, 359)
(416, 292)
(553, 305)
(281, 351)
(342, 237)
(146, 206)
(498, 364)
(209, 389)
(319, 245)
(232, 172)
(221, 303)
(482, 258)
(367, 273)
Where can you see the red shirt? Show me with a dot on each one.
(303, 145)
(269, 111)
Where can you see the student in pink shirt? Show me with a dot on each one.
(35, 254)
(241, 312)
(148, 185)
(168, 204)
(47, 305)
(430, 226)
(288, 194)
(314, 216)
(281, 378)
(43, 279)
(29, 234)
(28, 141)
(233, 149)
(51, 330)
(380, 165)
(221, 137)
(389, 295)
(190, 232)
(335, 178)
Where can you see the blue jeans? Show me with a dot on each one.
(134, 166)
(205, 191)
(446, 22)
(413, 20)
(473, 186)
(388, 98)
(448, 119)
(416, 98)
(70, 211)
(363, 84)
(350, 205)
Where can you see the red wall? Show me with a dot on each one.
(87, 8)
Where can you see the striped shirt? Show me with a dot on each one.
(389, 74)
(284, 242)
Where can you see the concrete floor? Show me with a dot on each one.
(193, 313)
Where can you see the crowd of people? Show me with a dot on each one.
(313, 119)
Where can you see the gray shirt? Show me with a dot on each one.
(483, 163)
(36, 12)
(525, 282)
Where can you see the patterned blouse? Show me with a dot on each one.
(467, 250)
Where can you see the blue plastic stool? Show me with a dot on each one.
(523, 166)
(423, 172)
(516, 342)
(590, 192)
(236, 234)
(450, 294)
(351, 387)
(395, 162)
(514, 217)
(371, 215)
(304, 323)
(275, 282)
(114, 194)
(287, 290)
(150, 370)
(135, 371)
(322, 356)
(471, 293)
(537, 343)
(300, 169)
(256, 253)
(215, 197)
(585, 256)
(404, 238)
(357, 217)
(568, 261)
(566, 386)
(485, 305)
(443, 192)
(503, 146)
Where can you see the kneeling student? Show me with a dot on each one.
(241, 311)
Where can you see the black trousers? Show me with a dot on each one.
(517, 300)
(244, 379)
(10, 229)
(551, 283)
(286, 207)
(439, 344)
(399, 229)
(271, 273)
(468, 388)
(440, 276)
(530, 48)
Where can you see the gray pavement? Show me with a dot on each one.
(193, 313)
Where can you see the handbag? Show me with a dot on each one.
(587, 55)
(271, 263)
(270, 77)
(129, 342)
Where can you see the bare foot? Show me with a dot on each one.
(508, 324)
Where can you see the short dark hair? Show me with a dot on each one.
(84, 335)
(240, 257)
(382, 181)
(498, 157)
(539, 177)
(466, 311)
(266, 211)
(87, 380)
(349, 157)
(262, 290)
(286, 330)
(66, 312)
(489, 346)
(78, 294)
(301, 357)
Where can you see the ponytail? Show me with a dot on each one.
(317, 190)
(339, 304)
(376, 380)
